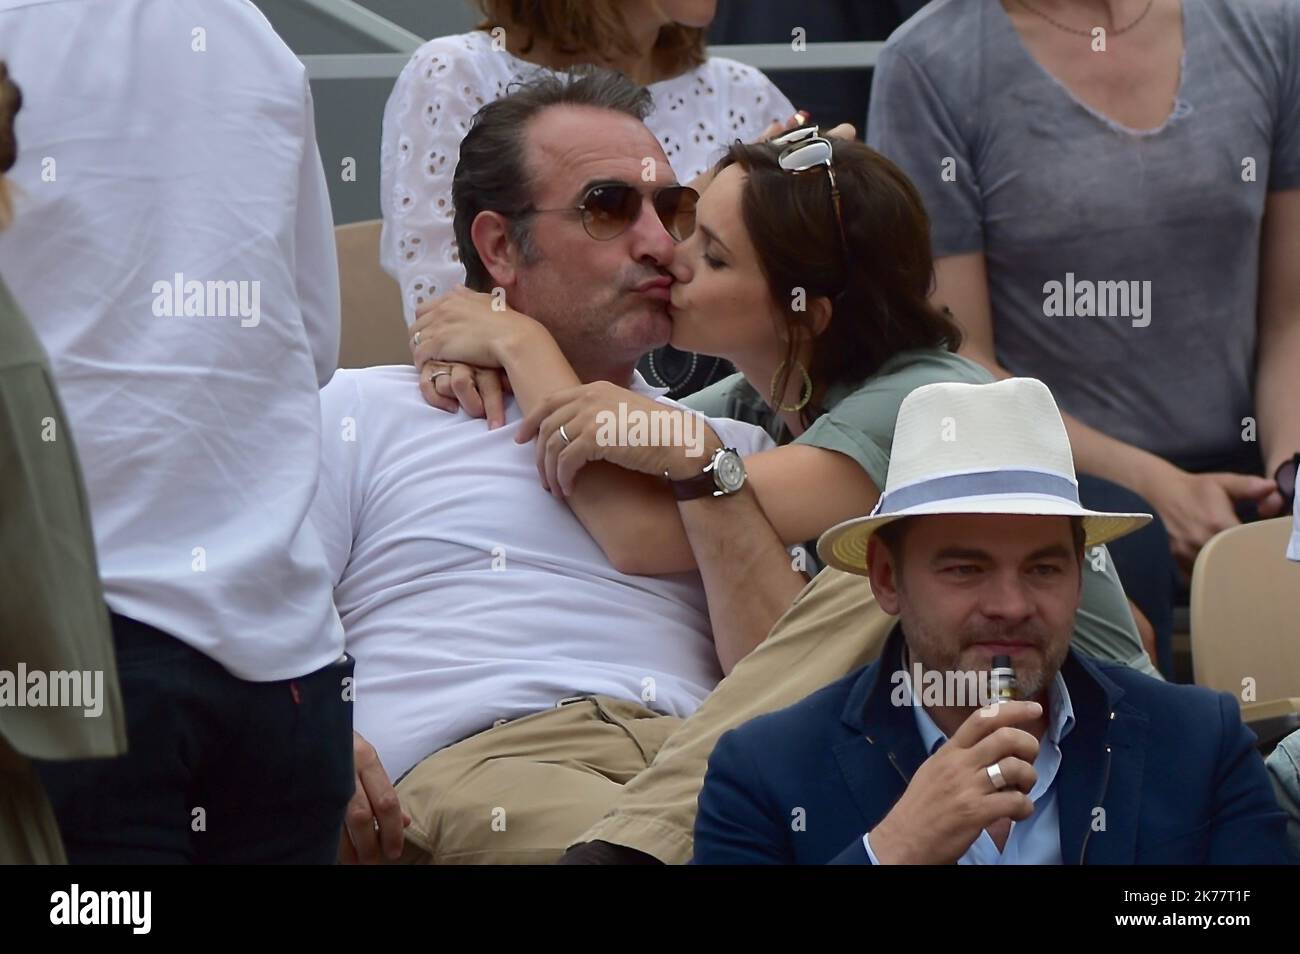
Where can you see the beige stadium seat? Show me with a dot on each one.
(374, 331)
(1245, 620)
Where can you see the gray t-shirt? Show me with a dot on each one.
(1048, 188)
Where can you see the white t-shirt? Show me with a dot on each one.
(176, 139)
(696, 115)
(1293, 550)
(470, 594)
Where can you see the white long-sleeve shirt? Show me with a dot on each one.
(173, 247)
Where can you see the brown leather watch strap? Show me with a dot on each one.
(691, 488)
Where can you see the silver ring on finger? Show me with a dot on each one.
(434, 376)
(415, 340)
(564, 436)
(996, 777)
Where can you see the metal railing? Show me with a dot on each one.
(368, 23)
(769, 57)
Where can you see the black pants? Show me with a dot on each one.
(218, 770)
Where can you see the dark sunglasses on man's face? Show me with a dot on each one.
(608, 210)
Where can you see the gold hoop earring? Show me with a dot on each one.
(804, 398)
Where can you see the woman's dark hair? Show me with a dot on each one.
(492, 173)
(593, 30)
(879, 290)
(11, 100)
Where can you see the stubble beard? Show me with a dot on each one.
(934, 651)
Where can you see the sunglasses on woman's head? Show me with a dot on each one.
(803, 149)
(795, 135)
(608, 210)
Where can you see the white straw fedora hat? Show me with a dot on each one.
(976, 448)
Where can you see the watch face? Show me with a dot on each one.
(730, 472)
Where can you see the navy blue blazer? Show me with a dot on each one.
(1173, 767)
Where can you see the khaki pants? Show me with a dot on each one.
(523, 791)
(526, 790)
(833, 627)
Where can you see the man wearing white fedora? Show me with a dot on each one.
(977, 545)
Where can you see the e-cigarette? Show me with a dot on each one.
(1005, 687)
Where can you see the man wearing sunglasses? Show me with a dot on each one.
(510, 680)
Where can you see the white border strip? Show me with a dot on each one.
(764, 56)
(354, 15)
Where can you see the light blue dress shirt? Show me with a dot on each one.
(1037, 839)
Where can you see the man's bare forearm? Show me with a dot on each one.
(749, 578)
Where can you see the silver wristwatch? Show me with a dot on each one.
(724, 474)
